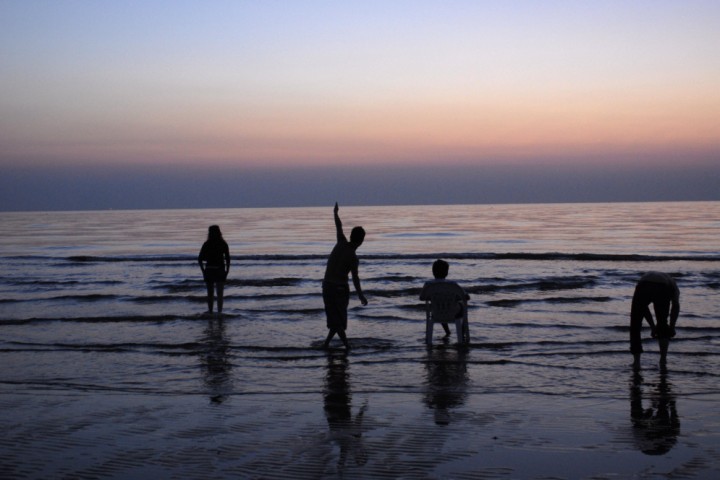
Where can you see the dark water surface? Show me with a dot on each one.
(102, 312)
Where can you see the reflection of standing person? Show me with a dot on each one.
(661, 290)
(336, 292)
(337, 404)
(215, 361)
(214, 260)
(655, 429)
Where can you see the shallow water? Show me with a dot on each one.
(111, 303)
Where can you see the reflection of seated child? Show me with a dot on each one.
(440, 270)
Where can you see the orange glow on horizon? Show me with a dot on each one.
(420, 131)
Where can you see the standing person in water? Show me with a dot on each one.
(214, 260)
(335, 288)
(661, 290)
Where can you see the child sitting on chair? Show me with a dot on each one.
(440, 271)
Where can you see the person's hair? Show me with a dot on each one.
(214, 234)
(357, 235)
(440, 269)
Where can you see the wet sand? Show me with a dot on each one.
(50, 434)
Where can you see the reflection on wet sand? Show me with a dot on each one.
(447, 380)
(345, 430)
(215, 362)
(656, 428)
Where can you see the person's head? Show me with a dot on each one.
(214, 233)
(357, 235)
(440, 269)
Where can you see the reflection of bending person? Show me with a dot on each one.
(344, 429)
(655, 429)
(214, 260)
(661, 290)
(336, 292)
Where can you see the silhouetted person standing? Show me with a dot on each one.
(335, 288)
(661, 290)
(214, 260)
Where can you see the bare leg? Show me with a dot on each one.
(636, 361)
(663, 343)
(210, 296)
(220, 289)
(341, 334)
(330, 335)
(447, 329)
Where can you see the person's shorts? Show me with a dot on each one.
(336, 299)
(658, 294)
(214, 275)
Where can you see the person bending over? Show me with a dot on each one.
(661, 290)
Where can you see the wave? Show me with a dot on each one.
(543, 256)
(91, 297)
(558, 300)
(115, 319)
(364, 349)
(545, 285)
(193, 289)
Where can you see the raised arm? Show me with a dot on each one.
(338, 224)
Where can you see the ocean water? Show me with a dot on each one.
(112, 303)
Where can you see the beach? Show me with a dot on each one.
(110, 369)
(101, 435)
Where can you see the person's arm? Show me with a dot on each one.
(675, 308)
(358, 288)
(423, 293)
(200, 260)
(338, 224)
(674, 312)
(462, 294)
(227, 259)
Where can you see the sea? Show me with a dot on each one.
(111, 304)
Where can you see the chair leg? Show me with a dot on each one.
(459, 329)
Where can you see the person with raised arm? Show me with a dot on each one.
(336, 291)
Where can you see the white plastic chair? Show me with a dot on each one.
(442, 307)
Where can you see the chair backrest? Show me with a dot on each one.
(443, 303)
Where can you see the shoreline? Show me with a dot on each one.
(355, 434)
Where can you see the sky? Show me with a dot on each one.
(197, 104)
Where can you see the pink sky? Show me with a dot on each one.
(375, 83)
